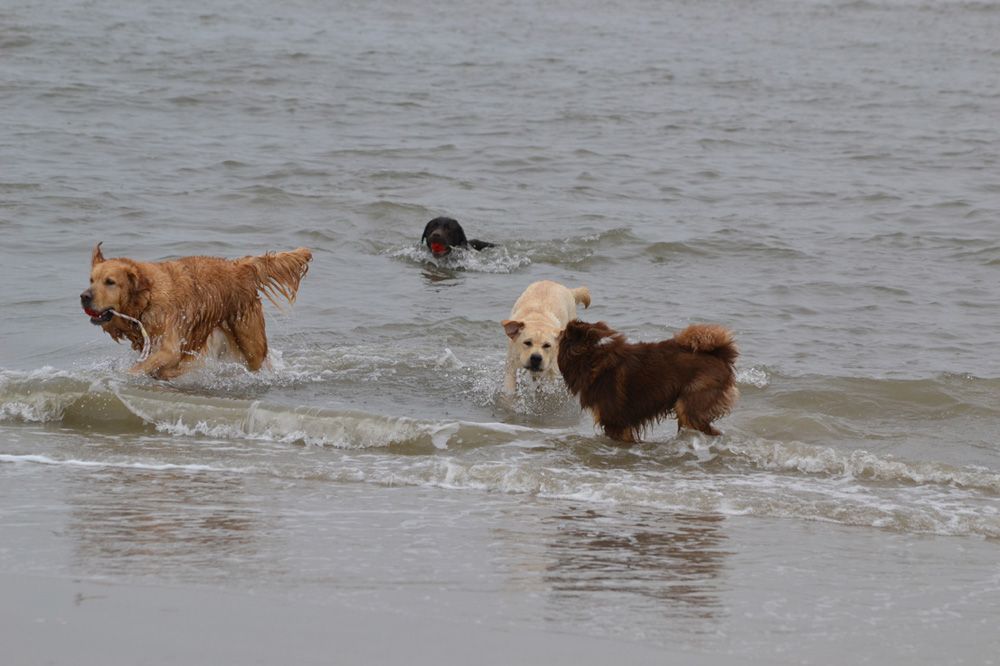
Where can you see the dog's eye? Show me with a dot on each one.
(527, 343)
(546, 346)
(109, 282)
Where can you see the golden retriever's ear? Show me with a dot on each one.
(511, 327)
(96, 256)
(137, 280)
(138, 295)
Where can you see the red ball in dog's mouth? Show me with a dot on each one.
(439, 249)
(97, 317)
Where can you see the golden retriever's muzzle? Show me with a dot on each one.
(97, 317)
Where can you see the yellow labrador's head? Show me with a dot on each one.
(115, 284)
(536, 345)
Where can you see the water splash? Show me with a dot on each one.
(491, 260)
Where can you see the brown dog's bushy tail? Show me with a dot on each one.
(279, 273)
(709, 339)
(582, 296)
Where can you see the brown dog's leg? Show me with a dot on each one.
(708, 429)
(622, 434)
(682, 420)
(248, 330)
(688, 414)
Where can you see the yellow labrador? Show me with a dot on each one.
(537, 319)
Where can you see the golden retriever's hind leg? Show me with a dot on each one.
(248, 331)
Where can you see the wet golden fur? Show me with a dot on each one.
(629, 386)
(536, 320)
(191, 306)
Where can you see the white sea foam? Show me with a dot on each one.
(154, 467)
(490, 260)
(857, 464)
(225, 418)
(41, 395)
(753, 376)
(933, 510)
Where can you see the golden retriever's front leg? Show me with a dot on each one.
(164, 363)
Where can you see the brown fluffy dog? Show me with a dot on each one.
(191, 306)
(630, 386)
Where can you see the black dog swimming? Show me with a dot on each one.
(443, 233)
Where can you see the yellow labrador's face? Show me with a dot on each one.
(536, 346)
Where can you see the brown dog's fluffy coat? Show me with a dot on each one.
(189, 304)
(630, 386)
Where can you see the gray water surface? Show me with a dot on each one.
(821, 177)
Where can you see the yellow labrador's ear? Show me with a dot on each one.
(96, 257)
(511, 327)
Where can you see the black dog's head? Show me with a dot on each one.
(443, 233)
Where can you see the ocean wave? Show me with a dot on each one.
(944, 396)
(226, 418)
(576, 251)
(919, 509)
(738, 474)
(753, 376)
(140, 466)
(860, 465)
(41, 395)
(544, 473)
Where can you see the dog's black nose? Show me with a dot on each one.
(86, 297)
(536, 361)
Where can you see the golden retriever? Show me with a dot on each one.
(629, 386)
(190, 307)
(537, 319)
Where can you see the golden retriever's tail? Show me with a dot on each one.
(279, 273)
(582, 296)
(709, 339)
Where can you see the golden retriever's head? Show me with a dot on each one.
(535, 344)
(115, 284)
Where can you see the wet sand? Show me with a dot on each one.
(77, 622)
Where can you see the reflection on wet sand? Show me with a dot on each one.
(174, 524)
(652, 563)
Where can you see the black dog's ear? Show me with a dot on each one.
(96, 256)
(427, 230)
(458, 238)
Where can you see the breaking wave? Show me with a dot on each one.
(741, 473)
